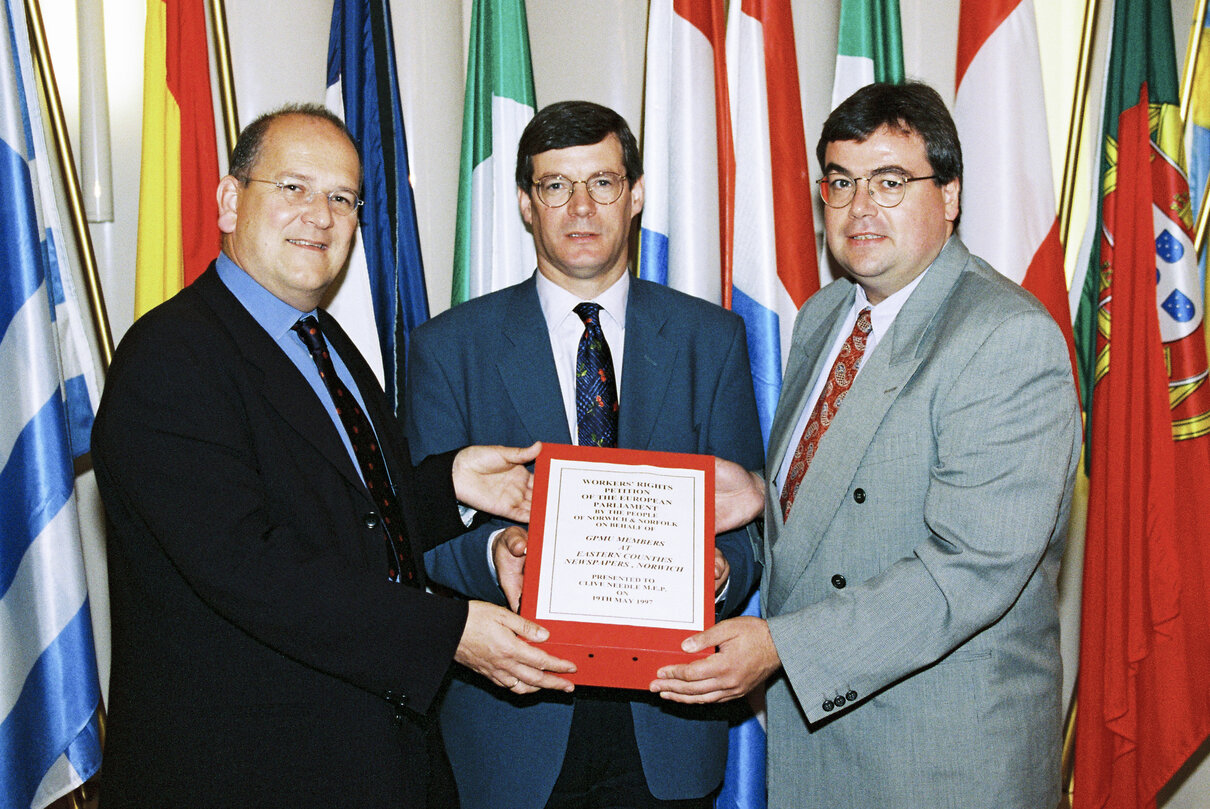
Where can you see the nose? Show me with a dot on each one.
(863, 201)
(581, 203)
(318, 210)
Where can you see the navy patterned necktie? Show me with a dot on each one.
(596, 393)
(400, 567)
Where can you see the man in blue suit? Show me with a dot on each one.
(502, 369)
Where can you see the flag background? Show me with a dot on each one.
(178, 236)
(591, 50)
(492, 249)
(50, 689)
(363, 87)
(1144, 704)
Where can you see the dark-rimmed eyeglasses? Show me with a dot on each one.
(886, 188)
(554, 190)
(341, 203)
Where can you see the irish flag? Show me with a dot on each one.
(1008, 200)
(492, 248)
(686, 150)
(178, 232)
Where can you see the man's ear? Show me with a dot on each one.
(527, 212)
(227, 195)
(636, 197)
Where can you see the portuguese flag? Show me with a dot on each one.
(1144, 683)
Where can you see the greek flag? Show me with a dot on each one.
(49, 688)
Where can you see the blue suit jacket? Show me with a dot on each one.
(483, 373)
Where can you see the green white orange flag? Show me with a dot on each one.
(492, 249)
(178, 231)
(869, 46)
(1144, 682)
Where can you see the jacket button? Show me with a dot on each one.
(839, 700)
(859, 495)
(827, 705)
(851, 696)
(838, 581)
(371, 520)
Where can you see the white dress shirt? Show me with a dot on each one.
(882, 316)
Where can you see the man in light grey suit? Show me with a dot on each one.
(915, 523)
(505, 364)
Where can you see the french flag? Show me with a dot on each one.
(1008, 199)
(774, 260)
(686, 150)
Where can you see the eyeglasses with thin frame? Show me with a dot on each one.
(886, 188)
(341, 203)
(604, 187)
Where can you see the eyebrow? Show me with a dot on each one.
(306, 178)
(834, 168)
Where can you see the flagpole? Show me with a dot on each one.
(226, 82)
(75, 201)
(1075, 127)
(1191, 57)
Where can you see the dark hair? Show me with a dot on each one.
(909, 107)
(248, 146)
(574, 123)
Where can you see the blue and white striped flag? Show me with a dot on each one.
(49, 687)
(385, 270)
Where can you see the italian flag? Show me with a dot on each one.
(869, 46)
(178, 232)
(492, 248)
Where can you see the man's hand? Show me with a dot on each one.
(722, 571)
(739, 496)
(508, 552)
(494, 479)
(745, 659)
(494, 644)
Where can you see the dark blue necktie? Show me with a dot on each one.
(357, 426)
(596, 393)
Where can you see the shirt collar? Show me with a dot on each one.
(557, 303)
(273, 314)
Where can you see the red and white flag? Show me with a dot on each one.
(1008, 199)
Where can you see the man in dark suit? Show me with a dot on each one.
(503, 368)
(914, 527)
(269, 648)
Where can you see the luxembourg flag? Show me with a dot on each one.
(1008, 205)
(49, 685)
(774, 265)
(686, 150)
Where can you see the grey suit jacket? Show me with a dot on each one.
(483, 372)
(911, 594)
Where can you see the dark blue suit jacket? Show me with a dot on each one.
(483, 373)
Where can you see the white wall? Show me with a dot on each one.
(279, 52)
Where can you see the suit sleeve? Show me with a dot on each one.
(436, 421)
(1004, 432)
(197, 471)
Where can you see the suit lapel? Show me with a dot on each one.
(648, 367)
(526, 365)
(283, 387)
(807, 356)
(883, 375)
